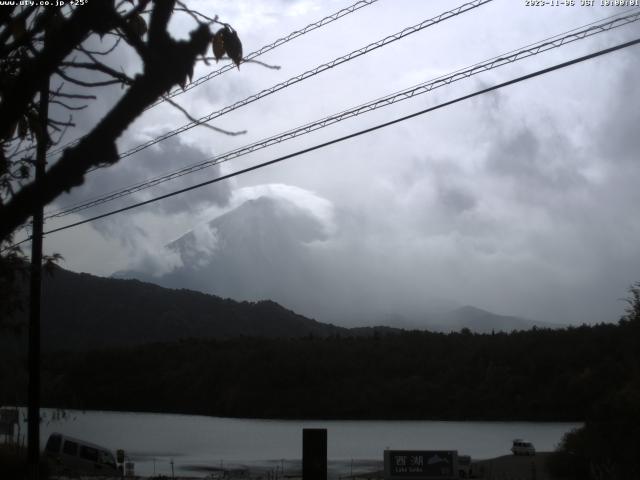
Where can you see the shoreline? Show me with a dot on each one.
(505, 466)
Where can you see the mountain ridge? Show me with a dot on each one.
(265, 248)
(81, 311)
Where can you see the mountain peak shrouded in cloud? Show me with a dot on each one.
(259, 249)
(259, 227)
(520, 202)
(281, 243)
(262, 233)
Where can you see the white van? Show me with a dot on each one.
(68, 455)
(522, 447)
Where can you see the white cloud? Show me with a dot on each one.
(522, 201)
(320, 208)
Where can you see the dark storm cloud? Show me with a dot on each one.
(516, 155)
(455, 199)
(535, 161)
(619, 134)
(168, 156)
(172, 155)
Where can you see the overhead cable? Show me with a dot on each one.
(250, 56)
(347, 137)
(267, 48)
(495, 62)
(310, 73)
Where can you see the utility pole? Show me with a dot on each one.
(33, 402)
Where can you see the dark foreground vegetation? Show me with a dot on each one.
(607, 447)
(569, 374)
(587, 373)
(13, 463)
(601, 450)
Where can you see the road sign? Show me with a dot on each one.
(420, 464)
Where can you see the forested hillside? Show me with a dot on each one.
(82, 312)
(566, 374)
(85, 312)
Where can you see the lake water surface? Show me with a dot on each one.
(197, 445)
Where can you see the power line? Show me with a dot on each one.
(281, 41)
(319, 69)
(310, 73)
(352, 135)
(250, 56)
(495, 62)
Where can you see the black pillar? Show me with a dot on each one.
(314, 454)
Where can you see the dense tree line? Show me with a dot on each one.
(117, 312)
(569, 374)
(607, 446)
(587, 373)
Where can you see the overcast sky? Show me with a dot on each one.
(523, 201)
